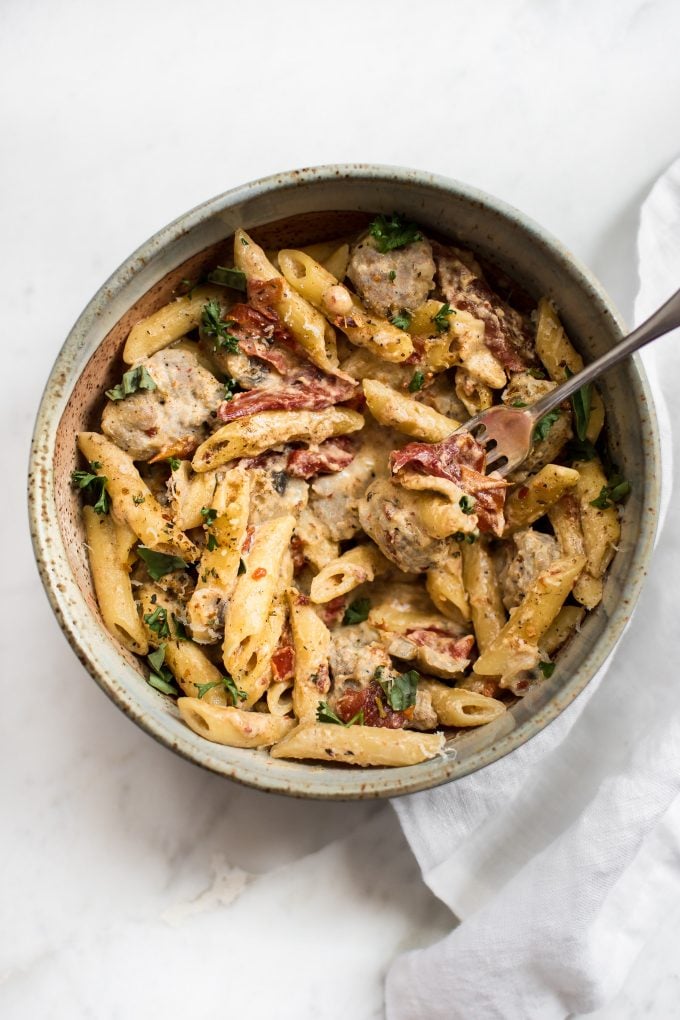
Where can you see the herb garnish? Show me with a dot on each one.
(357, 611)
(160, 677)
(581, 403)
(441, 319)
(537, 373)
(547, 668)
(158, 621)
(581, 450)
(417, 380)
(94, 487)
(208, 514)
(223, 277)
(174, 463)
(544, 424)
(399, 690)
(230, 388)
(138, 499)
(214, 325)
(212, 543)
(519, 403)
(326, 714)
(401, 321)
(462, 536)
(392, 275)
(613, 492)
(467, 504)
(133, 380)
(392, 232)
(159, 564)
(235, 692)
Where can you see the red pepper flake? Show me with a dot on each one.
(248, 540)
(259, 574)
(523, 492)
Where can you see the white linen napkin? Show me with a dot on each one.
(560, 858)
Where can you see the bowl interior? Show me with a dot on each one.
(91, 361)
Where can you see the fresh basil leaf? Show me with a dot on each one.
(208, 514)
(212, 543)
(203, 689)
(162, 685)
(581, 404)
(357, 611)
(544, 424)
(613, 492)
(174, 463)
(159, 564)
(158, 622)
(391, 232)
(547, 668)
(417, 380)
(324, 713)
(93, 487)
(214, 325)
(236, 693)
(133, 380)
(223, 277)
(399, 690)
(441, 319)
(401, 321)
(230, 388)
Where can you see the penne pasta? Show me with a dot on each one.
(168, 324)
(248, 437)
(358, 745)
(484, 596)
(108, 545)
(533, 498)
(344, 574)
(233, 726)
(446, 587)
(133, 501)
(311, 641)
(457, 707)
(600, 526)
(397, 411)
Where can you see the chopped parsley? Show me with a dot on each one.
(391, 232)
(417, 380)
(401, 321)
(180, 629)
(518, 403)
(233, 691)
(392, 275)
(441, 319)
(467, 504)
(230, 388)
(547, 668)
(174, 463)
(613, 492)
(581, 403)
(357, 611)
(326, 714)
(543, 426)
(462, 536)
(537, 373)
(223, 277)
(399, 690)
(212, 543)
(208, 514)
(138, 499)
(94, 487)
(160, 676)
(159, 564)
(214, 325)
(158, 622)
(135, 379)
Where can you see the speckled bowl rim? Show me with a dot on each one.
(69, 604)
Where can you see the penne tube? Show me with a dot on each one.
(189, 493)
(233, 726)
(515, 648)
(189, 665)
(446, 588)
(561, 358)
(457, 707)
(601, 527)
(358, 745)
(256, 678)
(221, 556)
(343, 308)
(344, 574)
(533, 498)
(567, 621)
(397, 411)
(248, 437)
(475, 396)
(108, 548)
(168, 324)
(307, 325)
(565, 518)
(280, 697)
(484, 596)
(252, 598)
(133, 501)
(312, 644)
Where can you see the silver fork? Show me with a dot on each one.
(506, 433)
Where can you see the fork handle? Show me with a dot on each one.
(664, 320)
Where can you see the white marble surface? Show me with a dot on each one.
(133, 881)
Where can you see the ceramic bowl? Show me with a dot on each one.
(296, 208)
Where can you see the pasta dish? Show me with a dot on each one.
(285, 525)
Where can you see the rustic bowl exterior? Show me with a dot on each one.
(294, 208)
